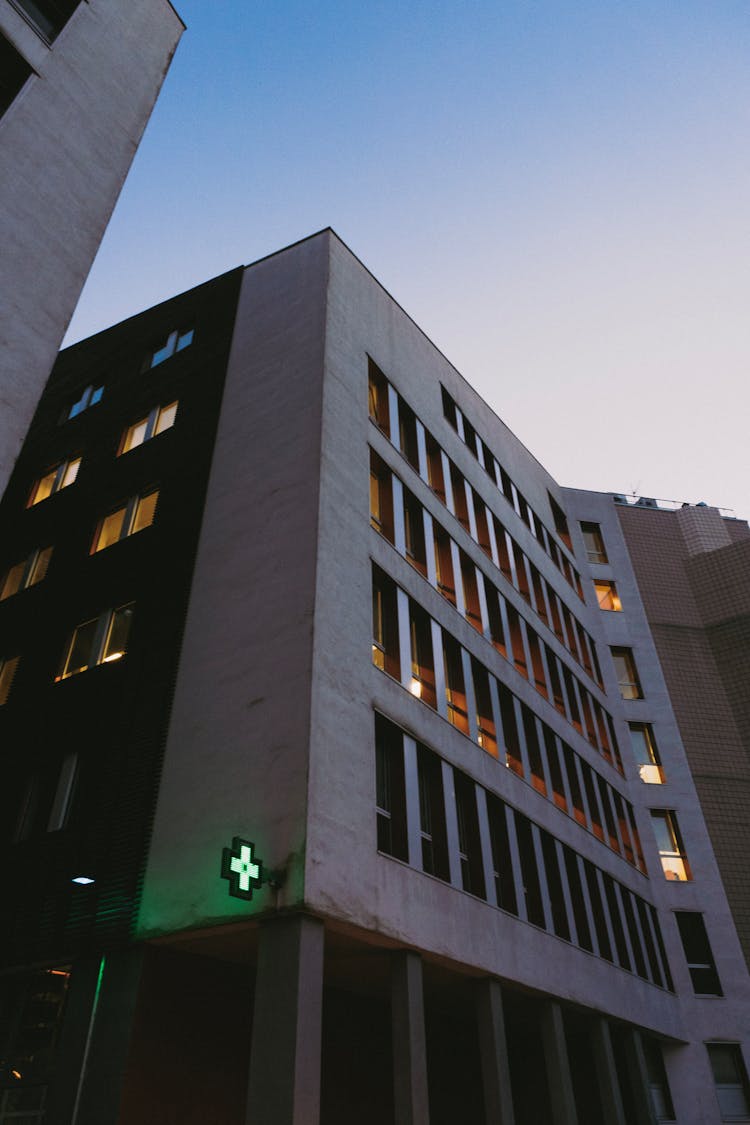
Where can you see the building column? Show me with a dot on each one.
(606, 1072)
(557, 1066)
(635, 1063)
(410, 1094)
(493, 1053)
(284, 1087)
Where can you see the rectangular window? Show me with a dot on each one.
(730, 1080)
(14, 71)
(486, 730)
(577, 898)
(569, 760)
(698, 954)
(435, 475)
(537, 664)
(455, 688)
(381, 497)
(505, 887)
(593, 542)
(416, 551)
(422, 660)
(378, 398)
(502, 550)
(449, 408)
(555, 773)
(160, 419)
(495, 618)
(533, 749)
(390, 789)
(661, 1098)
(673, 858)
(64, 791)
(469, 846)
(175, 342)
(99, 641)
(627, 673)
(137, 514)
(561, 523)
(385, 643)
(513, 759)
(54, 480)
(407, 426)
(531, 887)
(516, 640)
(598, 911)
(606, 595)
(646, 754)
(483, 533)
(26, 573)
(471, 592)
(432, 826)
(522, 580)
(446, 582)
(460, 504)
(7, 672)
(89, 397)
(48, 16)
(555, 886)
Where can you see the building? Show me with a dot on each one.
(78, 81)
(344, 778)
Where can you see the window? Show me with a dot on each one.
(99, 641)
(64, 791)
(730, 1078)
(673, 858)
(432, 828)
(56, 478)
(422, 661)
(486, 730)
(627, 674)
(176, 341)
(455, 689)
(48, 16)
(88, 398)
(385, 653)
(594, 543)
(646, 754)
(469, 846)
(505, 888)
(606, 595)
(14, 70)
(378, 398)
(700, 959)
(134, 516)
(26, 573)
(657, 1080)
(7, 672)
(407, 429)
(381, 497)
(416, 550)
(561, 522)
(160, 419)
(390, 789)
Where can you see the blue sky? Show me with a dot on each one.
(557, 192)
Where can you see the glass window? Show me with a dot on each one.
(657, 1080)
(134, 516)
(26, 573)
(606, 595)
(160, 419)
(385, 644)
(175, 342)
(381, 497)
(698, 954)
(14, 70)
(59, 477)
(99, 641)
(63, 798)
(469, 845)
(730, 1078)
(89, 397)
(432, 827)
(627, 673)
(646, 754)
(594, 543)
(673, 858)
(378, 398)
(7, 672)
(390, 789)
(48, 16)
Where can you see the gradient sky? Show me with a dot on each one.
(556, 191)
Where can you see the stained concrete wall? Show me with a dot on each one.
(66, 144)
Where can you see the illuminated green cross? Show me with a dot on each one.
(239, 866)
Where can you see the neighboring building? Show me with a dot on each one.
(353, 721)
(78, 81)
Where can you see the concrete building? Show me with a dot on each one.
(78, 81)
(344, 776)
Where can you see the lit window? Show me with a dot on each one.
(606, 595)
(730, 1078)
(134, 516)
(89, 397)
(99, 641)
(646, 753)
(7, 672)
(48, 16)
(385, 641)
(673, 858)
(698, 954)
(378, 398)
(175, 342)
(58, 477)
(26, 573)
(627, 674)
(160, 419)
(596, 552)
(14, 70)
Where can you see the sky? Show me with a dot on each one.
(556, 191)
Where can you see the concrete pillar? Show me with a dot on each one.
(410, 1094)
(606, 1072)
(557, 1066)
(284, 1087)
(493, 1053)
(635, 1063)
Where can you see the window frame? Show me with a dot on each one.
(8, 669)
(625, 654)
(32, 571)
(99, 653)
(90, 396)
(172, 346)
(151, 421)
(59, 474)
(130, 510)
(677, 855)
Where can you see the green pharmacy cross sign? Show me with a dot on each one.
(239, 866)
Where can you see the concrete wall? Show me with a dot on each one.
(66, 144)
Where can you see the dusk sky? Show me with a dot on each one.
(557, 193)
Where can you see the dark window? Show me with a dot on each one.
(632, 928)
(597, 910)
(449, 408)
(532, 890)
(661, 1099)
(422, 660)
(577, 898)
(495, 618)
(14, 70)
(516, 640)
(698, 954)
(537, 664)
(470, 436)
(505, 887)
(460, 505)
(385, 645)
(432, 815)
(381, 497)
(730, 1079)
(593, 542)
(609, 819)
(483, 534)
(469, 846)
(588, 783)
(616, 918)
(522, 580)
(513, 757)
(486, 730)
(7, 673)
(533, 750)
(414, 533)
(48, 16)
(555, 886)
(554, 678)
(555, 773)
(569, 758)
(407, 426)
(390, 789)
(561, 522)
(651, 953)
(378, 397)
(435, 475)
(446, 581)
(471, 592)
(455, 687)
(502, 550)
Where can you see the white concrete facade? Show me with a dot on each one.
(66, 143)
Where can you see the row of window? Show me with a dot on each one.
(405, 431)
(397, 514)
(59, 476)
(499, 477)
(495, 719)
(472, 839)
